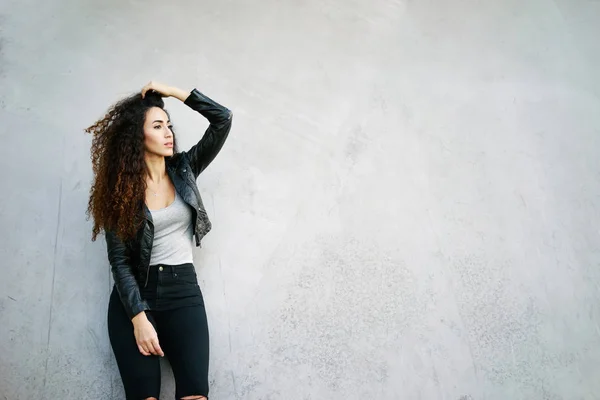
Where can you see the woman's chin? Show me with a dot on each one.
(166, 152)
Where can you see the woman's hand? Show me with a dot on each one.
(145, 336)
(160, 88)
(165, 90)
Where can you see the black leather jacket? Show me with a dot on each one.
(130, 260)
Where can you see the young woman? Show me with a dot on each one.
(145, 199)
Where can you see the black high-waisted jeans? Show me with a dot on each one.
(178, 315)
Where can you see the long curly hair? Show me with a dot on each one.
(117, 194)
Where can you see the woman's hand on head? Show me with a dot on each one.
(160, 88)
(145, 336)
(165, 91)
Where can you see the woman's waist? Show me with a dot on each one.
(181, 267)
(172, 286)
(168, 274)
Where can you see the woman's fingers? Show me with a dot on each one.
(158, 348)
(160, 352)
(146, 88)
(160, 88)
(151, 347)
(144, 352)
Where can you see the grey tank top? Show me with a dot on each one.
(173, 234)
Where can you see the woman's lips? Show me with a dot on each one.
(170, 144)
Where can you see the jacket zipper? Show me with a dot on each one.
(186, 180)
(148, 266)
(147, 275)
(151, 240)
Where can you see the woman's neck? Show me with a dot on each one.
(155, 167)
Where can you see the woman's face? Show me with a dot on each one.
(158, 137)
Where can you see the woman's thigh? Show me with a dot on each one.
(183, 336)
(140, 374)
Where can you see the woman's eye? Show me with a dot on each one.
(157, 127)
(171, 127)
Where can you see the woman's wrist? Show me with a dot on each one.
(179, 93)
(140, 317)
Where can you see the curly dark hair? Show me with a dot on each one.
(117, 194)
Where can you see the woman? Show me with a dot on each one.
(145, 199)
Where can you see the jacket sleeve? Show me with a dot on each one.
(219, 117)
(122, 272)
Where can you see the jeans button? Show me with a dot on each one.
(160, 268)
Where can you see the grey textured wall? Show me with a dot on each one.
(407, 207)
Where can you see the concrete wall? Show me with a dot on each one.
(407, 207)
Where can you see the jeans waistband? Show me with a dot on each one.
(170, 267)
